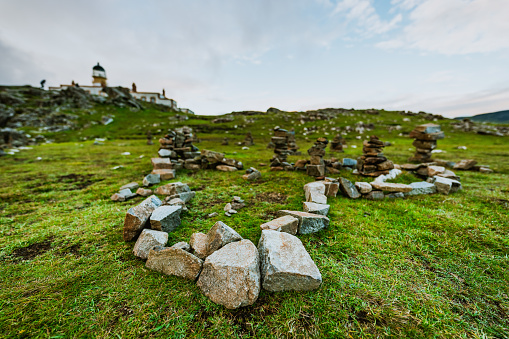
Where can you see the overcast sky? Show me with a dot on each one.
(448, 57)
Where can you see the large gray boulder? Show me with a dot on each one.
(147, 240)
(174, 261)
(285, 264)
(219, 235)
(308, 222)
(231, 275)
(137, 217)
(286, 224)
(166, 218)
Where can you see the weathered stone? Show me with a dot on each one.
(231, 275)
(144, 192)
(227, 207)
(308, 222)
(446, 186)
(212, 215)
(347, 162)
(286, 224)
(226, 168)
(375, 195)
(151, 179)
(449, 175)
(164, 153)
(331, 188)
(123, 195)
(434, 170)
(198, 243)
(182, 245)
(391, 187)
(219, 235)
(285, 264)
(485, 170)
(176, 202)
(165, 174)
(315, 192)
(166, 218)
(311, 207)
(131, 186)
(315, 170)
(147, 240)
(254, 174)
(174, 261)
(411, 167)
(137, 217)
(386, 165)
(421, 187)
(184, 196)
(465, 164)
(348, 188)
(161, 163)
(363, 187)
(212, 157)
(172, 188)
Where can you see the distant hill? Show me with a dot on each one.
(501, 117)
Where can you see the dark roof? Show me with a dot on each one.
(98, 68)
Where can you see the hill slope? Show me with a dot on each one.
(501, 117)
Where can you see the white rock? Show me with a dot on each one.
(286, 224)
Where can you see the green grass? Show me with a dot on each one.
(426, 266)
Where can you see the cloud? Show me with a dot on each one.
(363, 14)
(453, 27)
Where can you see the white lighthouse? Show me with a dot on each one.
(98, 76)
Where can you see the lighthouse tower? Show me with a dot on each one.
(98, 76)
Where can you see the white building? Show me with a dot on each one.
(99, 81)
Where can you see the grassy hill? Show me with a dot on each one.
(424, 266)
(501, 117)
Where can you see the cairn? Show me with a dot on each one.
(426, 137)
(337, 143)
(149, 138)
(225, 141)
(248, 140)
(292, 144)
(373, 163)
(316, 167)
(281, 150)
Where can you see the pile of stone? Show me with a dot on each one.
(292, 143)
(252, 174)
(316, 167)
(281, 150)
(231, 270)
(373, 163)
(425, 142)
(125, 192)
(337, 143)
(248, 140)
(234, 206)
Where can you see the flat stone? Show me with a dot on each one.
(182, 245)
(391, 187)
(144, 192)
(363, 187)
(375, 195)
(184, 196)
(348, 188)
(227, 207)
(131, 186)
(449, 175)
(253, 174)
(172, 188)
(138, 216)
(421, 187)
(465, 164)
(219, 235)
(286, 224)
(198, 243)
(177, 202)
(166, 218)
(226, 168)
(315, 192)
(212, 215)
(308, 222)
(320, 209)
(174, 261)
(231, 275)
(485, 170)
(411, 167)
(165, 174)
(161, 163)
(397, 195)
(285, 264)
(434, 170)
(147, 240)
(123, 195)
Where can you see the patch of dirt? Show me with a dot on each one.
(503, 202)
(365, 318)
(245, 316)
(214, 202)
(73, 249)
(272, 197)
(32, 251)
(81, 181)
